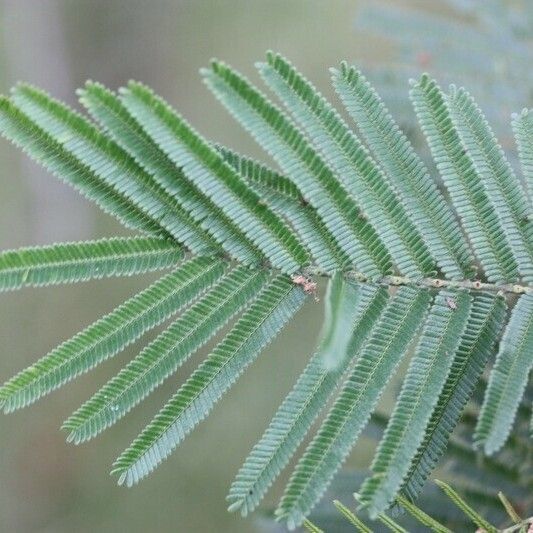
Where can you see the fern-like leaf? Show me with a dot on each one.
(300, 408)
(523, 130)
(508, 378)
(502, 186)
(478, 520)
(285, 198)
(393, 151)
(279, 137)
(107, 108)
(165, 354)
(352, 163)
(112, 333)
(80, 261)
(21, 131)
(369, 218)
(464, 184)
(360, 526)
(379, 357)
(422, 517)
(477, 343)
(259, 325)
(110, 163)
(205, 167)
(421, 388)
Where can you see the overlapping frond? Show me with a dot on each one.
(300, 408)
(421, 389)
(205, 167)
(523, 130)
(369, 218)
(462, 460)
(78, 137)
(34, 141)
(165, 354)
(479, 218)
(352, 164)
(112, 333)
(379, 357)
(80, 261)
(502, 186)
(108, 109)
(477, 343)
(276, 134)
(259, 325)
(417, 189)
(285, 198)
(456, 512)
(340, 310)
(508, 378)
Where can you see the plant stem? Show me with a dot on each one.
(434, 283)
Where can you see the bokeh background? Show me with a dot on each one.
(49, 486)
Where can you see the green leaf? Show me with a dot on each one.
(502, 186)
(417, 189)
(340, 312)
(379, 357)
(80, 261)
(473, 515)
(204, 167)
(464, 460)
(508, 379)
(523, 130)
(422, 385)
(163, 356)
(41, 147)
(285, 198)
(279, 137)
(110, 163)
(311, 527)
(351, 517)
(390, 524)
(259, 325)
(421, 516)
(352, 164)
(112, 333)
(107, 108)
(486, 319)
(464, 184)
(300, 408)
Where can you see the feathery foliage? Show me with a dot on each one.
(389, 339)
(165, 354)
(459, 514)
(300, 408)
(465, 185)
(112, 114)
(277, 134)
(508, 378)
(261, 322)
(418, 191)
(81, 261)
(421, 388)
(523, 130)
(407, 265)
(483, 327)
(285, 198)
(112, 333)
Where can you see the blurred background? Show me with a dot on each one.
(49, 486)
